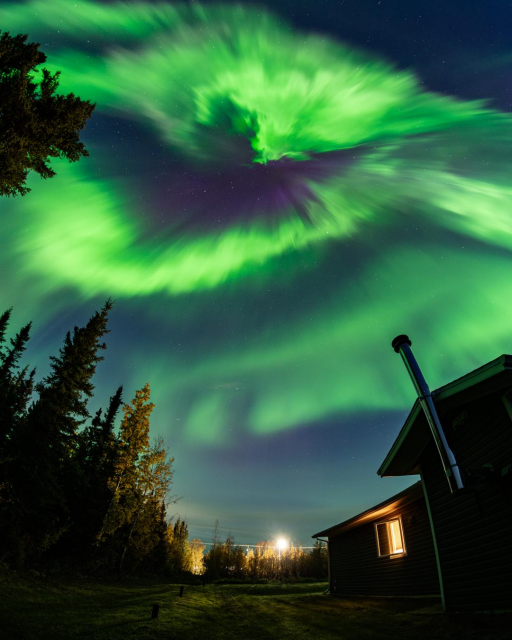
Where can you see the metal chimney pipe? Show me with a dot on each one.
(402, 345)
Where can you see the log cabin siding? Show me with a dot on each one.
(474, 528)
(356, 568)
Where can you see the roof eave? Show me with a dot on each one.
(412, 493)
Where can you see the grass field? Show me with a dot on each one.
(40, 608)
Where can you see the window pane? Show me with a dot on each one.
(395, 537)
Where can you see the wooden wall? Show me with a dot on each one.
(356, 569)
(474, 529)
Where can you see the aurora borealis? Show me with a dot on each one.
(270, 199)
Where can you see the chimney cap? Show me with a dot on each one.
(399, 341)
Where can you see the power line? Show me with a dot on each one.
(256, 546)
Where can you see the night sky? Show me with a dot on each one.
(273, 192)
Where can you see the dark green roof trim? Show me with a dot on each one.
(474, 377)
(471, 379)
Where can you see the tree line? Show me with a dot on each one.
(227, 560)
(81, 490)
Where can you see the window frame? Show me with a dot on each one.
(392, 555)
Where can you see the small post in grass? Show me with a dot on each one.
(182, 589)
(156, 608)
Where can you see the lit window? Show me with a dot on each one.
(390, 538)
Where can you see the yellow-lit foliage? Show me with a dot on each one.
(136, 465)
(266, 561)
(196, 556)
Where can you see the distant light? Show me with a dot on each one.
(282, 544)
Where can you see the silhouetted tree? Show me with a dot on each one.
(157, 558)
(45, 477)
(97, 443)
(15, 386)
(36, 124)
(318, 560)
(15, 390)
(95, 460)
(213, 560)
(179, 551)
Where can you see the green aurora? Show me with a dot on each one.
(414, 234)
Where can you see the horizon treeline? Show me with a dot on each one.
(80, 491)
(227, 560)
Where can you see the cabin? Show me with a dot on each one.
(385, 551)
(458, 439)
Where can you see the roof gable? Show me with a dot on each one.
(415, 434)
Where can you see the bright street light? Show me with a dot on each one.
(282, 544)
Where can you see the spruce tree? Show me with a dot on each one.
(45, 477)
(158, 558)
(179, 550)
(15, 391)
(36, 124)
(97, 442)
(64, 393)
(15, 385)
(95, 461)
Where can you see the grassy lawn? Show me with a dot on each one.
(40, 608)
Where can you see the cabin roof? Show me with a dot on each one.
(411, 494)
(402, 458)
